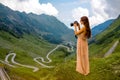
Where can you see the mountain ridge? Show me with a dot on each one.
(45, 26)
(101, 27)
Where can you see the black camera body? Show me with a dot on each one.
(71, 24)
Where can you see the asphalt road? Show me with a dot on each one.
(110, 51)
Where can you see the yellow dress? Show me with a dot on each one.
(82, 64)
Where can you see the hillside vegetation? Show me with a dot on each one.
(103, 41)
(26, 49)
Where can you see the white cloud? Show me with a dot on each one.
(97, 14)
(113, 8)
(79, 12)
(30, 6)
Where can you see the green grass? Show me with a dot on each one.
(98, 50)
(26, 49)
(100, 69)
(28, 45)
(66, 70)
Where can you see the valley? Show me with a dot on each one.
(40, 47)
(6, 61)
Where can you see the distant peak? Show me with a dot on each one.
(119, 16)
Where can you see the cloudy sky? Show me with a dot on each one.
(67, 11)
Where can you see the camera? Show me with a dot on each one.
(71, 24)
(75, 22)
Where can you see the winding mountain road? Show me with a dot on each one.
(47, 56)
(13, 61)
(110, 51)
(7, 64)
(35, 59)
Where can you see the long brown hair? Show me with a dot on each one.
(85, 21)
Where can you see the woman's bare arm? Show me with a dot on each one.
(79, 31)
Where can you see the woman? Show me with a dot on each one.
(83, 34)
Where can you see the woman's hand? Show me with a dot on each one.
(75, 26)
(75, 30)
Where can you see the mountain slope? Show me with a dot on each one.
(26, 49)
(56, 29)
(24, 35)
(47, 27)
(101, 27)
(103, 41)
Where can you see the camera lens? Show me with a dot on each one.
(71, 24)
